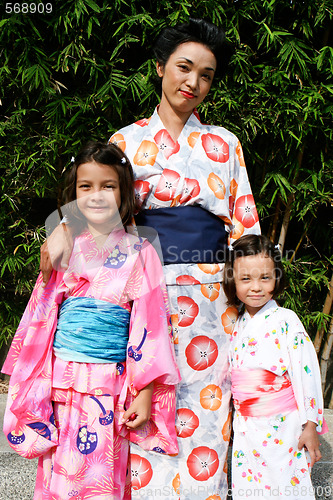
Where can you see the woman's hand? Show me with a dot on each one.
(138, 413)
(310, 441)
(56, 251)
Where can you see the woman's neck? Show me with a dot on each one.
(172, 120)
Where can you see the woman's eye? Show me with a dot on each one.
(83, 186)
(184, 67)
(110, 186)
(207, 77)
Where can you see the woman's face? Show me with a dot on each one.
(187, 76)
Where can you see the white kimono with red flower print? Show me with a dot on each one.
(205, 167)
(265, 460)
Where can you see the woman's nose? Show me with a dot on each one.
(192, 80)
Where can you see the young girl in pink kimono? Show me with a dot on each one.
(275, 380)
(92, 365)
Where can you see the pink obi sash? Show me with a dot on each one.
(261, 393)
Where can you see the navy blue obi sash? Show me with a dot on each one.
(91, 331)
(187, 234)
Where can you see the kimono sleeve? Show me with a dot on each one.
(304, 373)
(29, 423)
(150, 355)
(243, 210)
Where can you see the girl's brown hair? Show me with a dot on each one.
(252, 244)
(105, 154)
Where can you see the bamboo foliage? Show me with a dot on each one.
(86, 69)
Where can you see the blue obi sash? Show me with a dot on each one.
(91, 331)
(187, 234)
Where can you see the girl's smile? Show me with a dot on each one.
(254, 277)
(98, 196)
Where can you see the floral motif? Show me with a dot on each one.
(116, 259)
(202, 463)
(167, 185)
(215, 147)
(209, 268)
(166, 144)
(211, 397)
(146, 154)
(201, 352)
(245, 211)
(176, 484)
(142, 472)
(144, 122)
(188, 310)
(186, 422)
(118, 140)
(226, 429)
(239, 153)
(211, 291)
(229, 318)
(185, 279)
(141, 190)
(216, 185)
(192, 139)
(237, 229)
(191, 189)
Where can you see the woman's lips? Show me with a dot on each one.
(188, 95)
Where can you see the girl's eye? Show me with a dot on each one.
(184, 67)
(110, 186)
(83, 186)
(207, 77)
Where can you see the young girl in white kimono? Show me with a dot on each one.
(275, 376)
(92, 364)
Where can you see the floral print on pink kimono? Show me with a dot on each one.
(204, 167)
(269, 353)
(69, 413)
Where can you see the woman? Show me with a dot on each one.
(192, 187)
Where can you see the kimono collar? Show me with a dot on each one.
(269, 308)
(156, 124)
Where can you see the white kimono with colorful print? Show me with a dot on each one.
(69, 413)
(204, 167)
(265, 460)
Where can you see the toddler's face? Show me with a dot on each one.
(254, 277)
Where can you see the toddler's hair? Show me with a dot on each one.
(105, 154)
(252, 244)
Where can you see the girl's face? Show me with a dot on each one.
(187, 76)
(254, 277)
(98, 196)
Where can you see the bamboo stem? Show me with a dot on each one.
(326, 310)
(326, 356)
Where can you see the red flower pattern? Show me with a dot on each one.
(185, 279)
(166, 144)
(141, 190)
(144, 122)
(215, 147)
(186, 422)
(202, 463)
(191, 189)
(245, 211)
(188, 310)
(167, 185)
(201, 352)
(142, 472)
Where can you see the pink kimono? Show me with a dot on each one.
(69, 413)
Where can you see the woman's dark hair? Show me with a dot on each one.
(252, 244)
(105, 154)
(195, 30)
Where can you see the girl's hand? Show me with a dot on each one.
(57, 248)
(138, 413)
(310, 441)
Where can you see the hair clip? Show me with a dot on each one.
(123, 160)
(277, 247)
(230, 248)
(72, 159)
